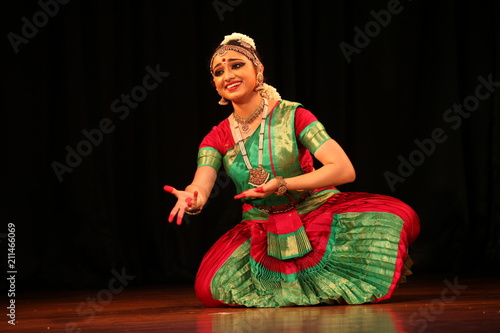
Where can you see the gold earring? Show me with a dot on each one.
(260, 78)
(260, 87)
(223, 101)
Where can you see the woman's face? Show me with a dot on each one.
(235, 76)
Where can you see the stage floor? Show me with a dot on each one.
(424, 304)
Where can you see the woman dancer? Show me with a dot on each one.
(300, 240)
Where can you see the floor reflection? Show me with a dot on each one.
(348, 318)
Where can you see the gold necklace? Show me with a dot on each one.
(245, 122)
(258, 176)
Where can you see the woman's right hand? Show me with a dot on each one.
(186, 201)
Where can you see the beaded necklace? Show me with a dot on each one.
(245, 123)
(258, 176)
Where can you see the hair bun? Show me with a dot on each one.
(243, 39)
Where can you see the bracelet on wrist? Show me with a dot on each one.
(282, 186)
(193, 212)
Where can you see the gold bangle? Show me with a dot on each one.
(282, 186)
(193, 212)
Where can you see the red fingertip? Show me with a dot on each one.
(169, 188)
(195, 194)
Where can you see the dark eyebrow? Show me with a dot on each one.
(231, 59)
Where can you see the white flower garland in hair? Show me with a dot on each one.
(268, 91)
(238, 36)
(271, 92)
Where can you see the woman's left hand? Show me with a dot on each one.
(259, 192)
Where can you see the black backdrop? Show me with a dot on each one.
(90, 135)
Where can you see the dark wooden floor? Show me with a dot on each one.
(424, 304)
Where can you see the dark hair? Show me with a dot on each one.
(246, 46)
(238, 43)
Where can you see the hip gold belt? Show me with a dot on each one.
(284, 207)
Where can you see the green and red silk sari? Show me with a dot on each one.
(326, 247)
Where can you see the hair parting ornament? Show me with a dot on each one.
(221, 50)
(245, 45)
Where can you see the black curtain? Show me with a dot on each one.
(104, 102)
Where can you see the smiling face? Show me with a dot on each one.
(235, 76)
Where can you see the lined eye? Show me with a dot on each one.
(238, 65)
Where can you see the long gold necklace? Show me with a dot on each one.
(258, 176)
(245, 122)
